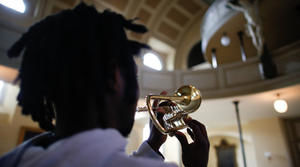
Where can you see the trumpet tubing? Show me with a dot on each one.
(185, 100)
(144, 109)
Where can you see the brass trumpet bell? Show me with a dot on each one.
(185, 100)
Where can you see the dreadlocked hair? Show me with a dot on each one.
(70, 55)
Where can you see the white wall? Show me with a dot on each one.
(10, 132)
(268, 136)
(260, 136)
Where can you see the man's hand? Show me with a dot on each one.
(156, 138)
(196, 153)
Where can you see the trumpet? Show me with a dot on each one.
(185, 100)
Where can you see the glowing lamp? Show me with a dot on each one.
(280, 105)
(225, 40)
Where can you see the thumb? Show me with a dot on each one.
(182, 139)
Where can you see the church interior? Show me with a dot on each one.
(249, 55)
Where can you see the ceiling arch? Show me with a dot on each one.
(167, 20)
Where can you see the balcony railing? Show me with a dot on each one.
(227, 80)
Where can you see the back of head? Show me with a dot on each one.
(67, 60)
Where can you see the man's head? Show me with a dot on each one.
(234, 1)
(74, 64)
(243, 2)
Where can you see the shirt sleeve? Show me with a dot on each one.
(147, 152)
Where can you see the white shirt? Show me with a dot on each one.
(94, 148)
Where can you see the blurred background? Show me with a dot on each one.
(205, 43)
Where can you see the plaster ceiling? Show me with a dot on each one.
(177, 24)
(167, 20)
(171, 20)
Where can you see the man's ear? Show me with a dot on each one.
(116, 84)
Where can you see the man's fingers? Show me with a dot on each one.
(182, 139)
(187, 119)
(190, 132)
(160, 110)
(199, 131)
(202, 128)
(155, 102)
(196, 130)
(150, 123)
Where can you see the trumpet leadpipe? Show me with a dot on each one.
(144, 109)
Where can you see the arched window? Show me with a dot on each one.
(152, 60)
(196, 56)
(2, 84)
(17, 5)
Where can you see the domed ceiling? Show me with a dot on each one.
(176, 23)
(280, 25)
(167, 20)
